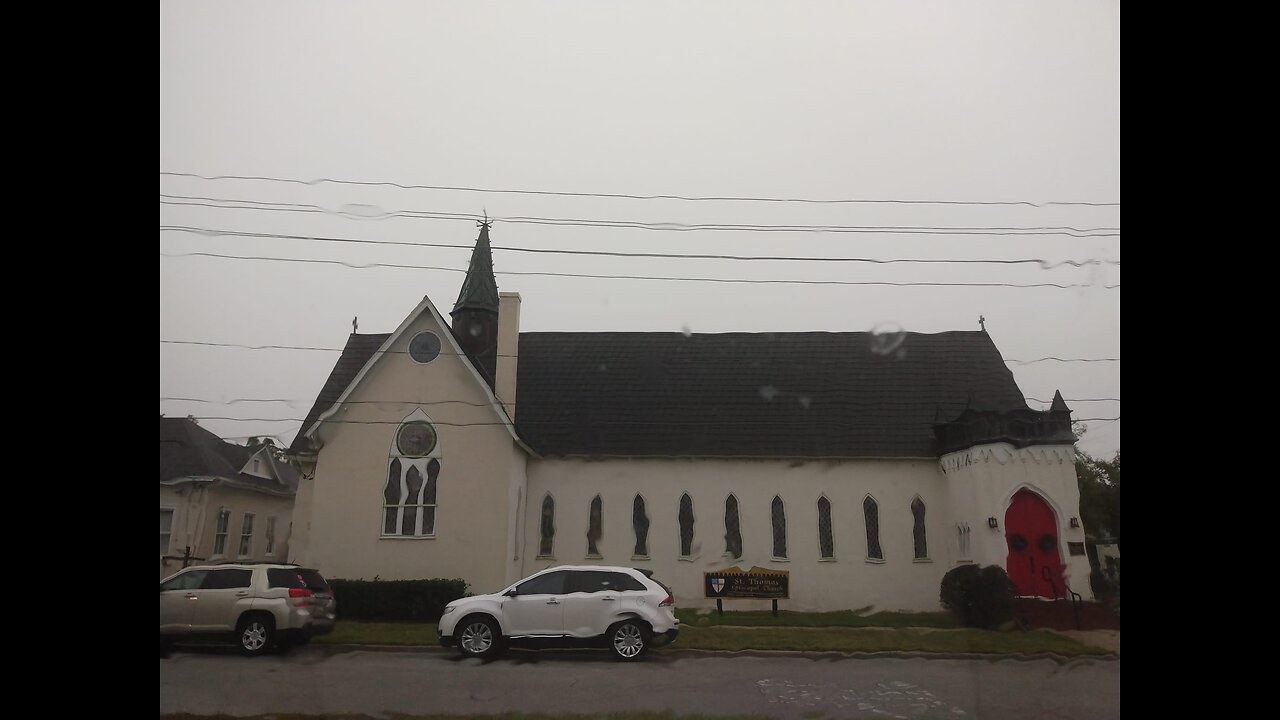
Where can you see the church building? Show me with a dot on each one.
(865, 465)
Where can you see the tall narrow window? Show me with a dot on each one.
(917, 530)
(594, 529)
(826, 544)
(547, 528)
(641, 522)
(246, 535)
(962, 540)
(166, 529)
(391, 499)
(686, 525)
(271, 535)
(779, 516)
(732, 531)
(220, 535)
(871, 512)
(409, 497)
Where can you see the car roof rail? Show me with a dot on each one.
(646, 571)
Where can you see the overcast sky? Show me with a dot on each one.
(922, 101)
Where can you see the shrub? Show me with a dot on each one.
(979, 597)
(396, 600)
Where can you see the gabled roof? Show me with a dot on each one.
(189, 451)
(355, 354)
(764, 395)
(808, 394)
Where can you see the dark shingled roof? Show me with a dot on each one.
(761, 395)
(187, 449)
(357, 352)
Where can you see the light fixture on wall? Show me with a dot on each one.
(1075, 522)
(991, 523)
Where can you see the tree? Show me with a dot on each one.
(255, 444)
(1099, 482)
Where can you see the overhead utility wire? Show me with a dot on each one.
(458, 402)
(1044, 264)
(575, 422)
(658, 226)
(744, 281)
(627, 196)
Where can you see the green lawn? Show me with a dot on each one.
(839, 639)
(843, 618)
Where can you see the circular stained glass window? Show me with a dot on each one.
(424, 347)
(416, 439)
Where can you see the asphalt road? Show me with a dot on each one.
(316, 680)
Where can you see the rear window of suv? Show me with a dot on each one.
(284, 578)
(315, 583)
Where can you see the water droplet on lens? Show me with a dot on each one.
(768, 392)
(887, 337)
(685, 331)
(476, 329)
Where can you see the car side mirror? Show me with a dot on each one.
(511, 593)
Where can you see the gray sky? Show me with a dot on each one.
(972, 101)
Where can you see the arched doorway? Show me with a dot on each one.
(1031, 532)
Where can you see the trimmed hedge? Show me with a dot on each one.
(396, 600)
(978, 597)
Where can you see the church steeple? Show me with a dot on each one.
(475, 314)
(479, 289)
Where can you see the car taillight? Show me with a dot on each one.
(303, 594)
(671, 600)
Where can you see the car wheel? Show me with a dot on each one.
(478, 636)
(255, 634)
(628, 639)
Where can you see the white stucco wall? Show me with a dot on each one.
(479, 465)
(981, 482)
(849, 581)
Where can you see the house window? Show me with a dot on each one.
(962, 540)
(871, 513)
(594, 530)
(917, 530)
(246, 535)
(732, 532)
(547, 527)
(640, 520)
(779, 516)
(220, 535)
(826, 545)
(686, 526)
(166, 529)
(409, 496)
(271, 535)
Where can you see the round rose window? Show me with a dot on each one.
(416, 439)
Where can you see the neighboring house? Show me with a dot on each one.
(220, 500)
(865, 465)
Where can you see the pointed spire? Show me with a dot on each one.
(479, 289)
(1059, 405)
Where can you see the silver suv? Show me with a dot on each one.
(622, 608)
(257, 604)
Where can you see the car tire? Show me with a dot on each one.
(478, 636)
(628, 639)
(255, 633)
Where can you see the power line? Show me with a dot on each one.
(628, 196)
(1044, 264)
(443, 352)
(226, 204)
(458, 402)
(1058, 359)
(577, 422)
(743, 281)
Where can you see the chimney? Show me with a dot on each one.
(508, 350)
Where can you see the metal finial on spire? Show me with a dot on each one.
(982, 323)
(355, 325)
(486, 222)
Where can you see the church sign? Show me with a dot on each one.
(757, 582)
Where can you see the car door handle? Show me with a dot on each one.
(553, 602)
(190, 596)
(607, 599)
(242, 593)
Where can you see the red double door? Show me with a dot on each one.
(1031, 531)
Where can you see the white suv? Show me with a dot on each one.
(623, 608)
(259, 604)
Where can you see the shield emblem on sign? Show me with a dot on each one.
(717, 584)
